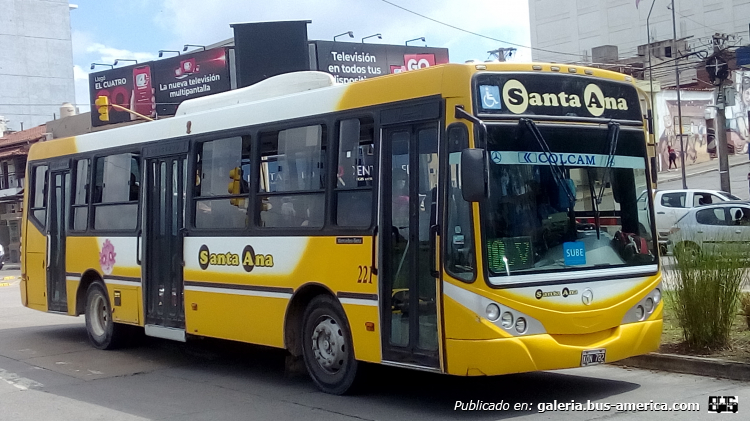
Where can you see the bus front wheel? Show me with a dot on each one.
(327, 346)
(103, 332)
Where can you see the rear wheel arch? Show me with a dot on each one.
(88, 277)
(295, 313)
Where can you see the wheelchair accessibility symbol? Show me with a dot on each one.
(490, 97)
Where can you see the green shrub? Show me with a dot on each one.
(707, 287)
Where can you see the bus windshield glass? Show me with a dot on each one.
(573, 207)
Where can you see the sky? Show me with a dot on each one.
(104, 30)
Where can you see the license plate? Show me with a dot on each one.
(593, 357)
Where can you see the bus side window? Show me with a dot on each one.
(356, 163)
(79, 222)
(292, 178)
(39, 198)
(460, 254)
(221, 180)
(115, 202)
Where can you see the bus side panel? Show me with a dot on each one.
(122, 277)
(35, 254)
(258, 320)
(240, 288)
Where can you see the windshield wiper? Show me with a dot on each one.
(613, 134)
(594, 202)
(557, 172)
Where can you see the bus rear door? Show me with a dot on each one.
(163, 234)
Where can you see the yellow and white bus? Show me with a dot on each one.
(468, 219)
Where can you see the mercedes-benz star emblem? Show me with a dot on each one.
(588, 296)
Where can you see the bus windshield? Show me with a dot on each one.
(574, 207)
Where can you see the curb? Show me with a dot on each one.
(699, 366)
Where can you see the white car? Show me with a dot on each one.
(671, 205)
(712, 228)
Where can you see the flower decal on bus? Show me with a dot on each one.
(107, 257)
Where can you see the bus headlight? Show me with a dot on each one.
(521, 325)
(645, 307)
(507, 321)
(649, 305)
(639, 312)
(493, 312)
(657, 296)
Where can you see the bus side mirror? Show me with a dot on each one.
(473, 174)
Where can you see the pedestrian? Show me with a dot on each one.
(672, 158)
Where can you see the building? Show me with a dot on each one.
(36, 61)
(614, 35)
(570, 29)
(13, 151)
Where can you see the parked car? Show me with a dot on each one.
(712, 228)
(671, 205)
(2, 256)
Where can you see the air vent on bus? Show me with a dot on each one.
(284, 84)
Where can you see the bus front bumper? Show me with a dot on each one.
(548, 352)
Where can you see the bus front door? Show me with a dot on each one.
(57, 297)
(163, 232)
(408, 230)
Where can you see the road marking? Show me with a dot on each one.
(4, 284)
(9, 278)
(19, 382)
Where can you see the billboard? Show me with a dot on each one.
(349, 62)
(118, 85)
(157, 88)
(189, 76)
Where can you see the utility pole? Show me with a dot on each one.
(721, 118)
(679, 103)
(502, 53)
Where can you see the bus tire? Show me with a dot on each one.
(103, 332)
(327, 346)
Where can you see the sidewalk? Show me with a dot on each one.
(701, 168)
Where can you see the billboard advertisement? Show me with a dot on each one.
(349, 62)
(157, 88)
(130, 87)
(189, 76)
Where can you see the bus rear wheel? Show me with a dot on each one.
(103, 332)
(327, 346)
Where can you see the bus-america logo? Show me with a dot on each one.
(518, 99)
(248, 259)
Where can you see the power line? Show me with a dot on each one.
(477, 34)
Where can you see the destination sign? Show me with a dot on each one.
(555, 95)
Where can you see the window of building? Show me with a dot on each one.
(39, 194)
(117, 182)
(292, 177)
(222, 183)
(5, 179)
(356, 163)
(80, 200)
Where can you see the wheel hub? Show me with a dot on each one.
(329, 345)
(99, 319)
